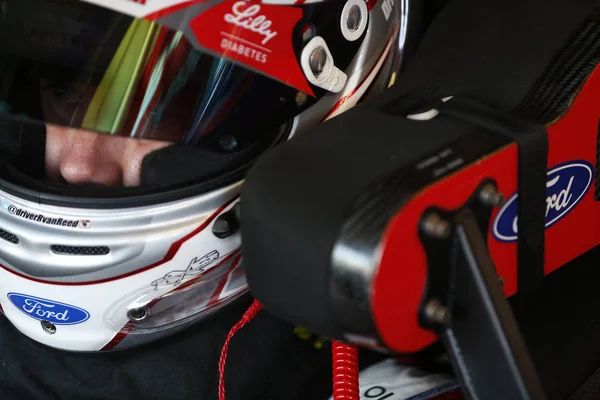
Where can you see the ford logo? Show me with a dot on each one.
(48, 310)
(565, 187)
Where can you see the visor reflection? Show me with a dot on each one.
(98, 70)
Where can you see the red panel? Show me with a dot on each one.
(400, 279)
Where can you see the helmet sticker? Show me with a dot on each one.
(195, 267)
(48, 310)
(11, 209)
(256, 35)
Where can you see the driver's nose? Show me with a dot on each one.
(92, 158)
(81, 157)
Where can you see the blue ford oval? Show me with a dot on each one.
(48, 310)
(566, 185)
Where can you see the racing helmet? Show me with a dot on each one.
(182, 96)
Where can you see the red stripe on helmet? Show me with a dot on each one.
(351, 93)
(119, 336)
(130, 326)
(168, 257)
(215, 296)
(170, 10)
(371, 4)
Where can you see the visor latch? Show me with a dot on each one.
(319, 67)
(227, 223)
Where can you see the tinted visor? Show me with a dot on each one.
(74, 64)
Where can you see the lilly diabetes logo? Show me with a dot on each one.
(257, 35)
(245, 17)
(11, 209)
(566, 185)
(48, 310)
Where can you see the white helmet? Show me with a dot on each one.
(94, 256)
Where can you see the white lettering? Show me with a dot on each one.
(560, 201)
(387, 6)
(245, 18)
(37, 308)
(242, 50)
(556, 201)
(33, 304)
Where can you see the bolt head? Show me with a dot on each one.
(437, 313)
(48, 327)
(301, 99)
(437, 227)
(490, 196)
(228, 143)
(137, 314)
(354, 18)
(317, 60)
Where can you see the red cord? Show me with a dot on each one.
(247, 317)
(345, 371)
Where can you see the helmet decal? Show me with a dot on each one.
(256, 35)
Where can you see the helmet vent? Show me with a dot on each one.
(9, 237)
(80, 250)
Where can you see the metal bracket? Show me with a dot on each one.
(465, 305)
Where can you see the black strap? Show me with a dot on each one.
(532, 140)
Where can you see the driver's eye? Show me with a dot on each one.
(63, 93)
(72, 97)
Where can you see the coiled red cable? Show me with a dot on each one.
(345, 371)
(344, 356)
(247, 317)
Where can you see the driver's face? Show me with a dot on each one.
(79, 156)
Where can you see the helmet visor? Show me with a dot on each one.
(74, 64)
